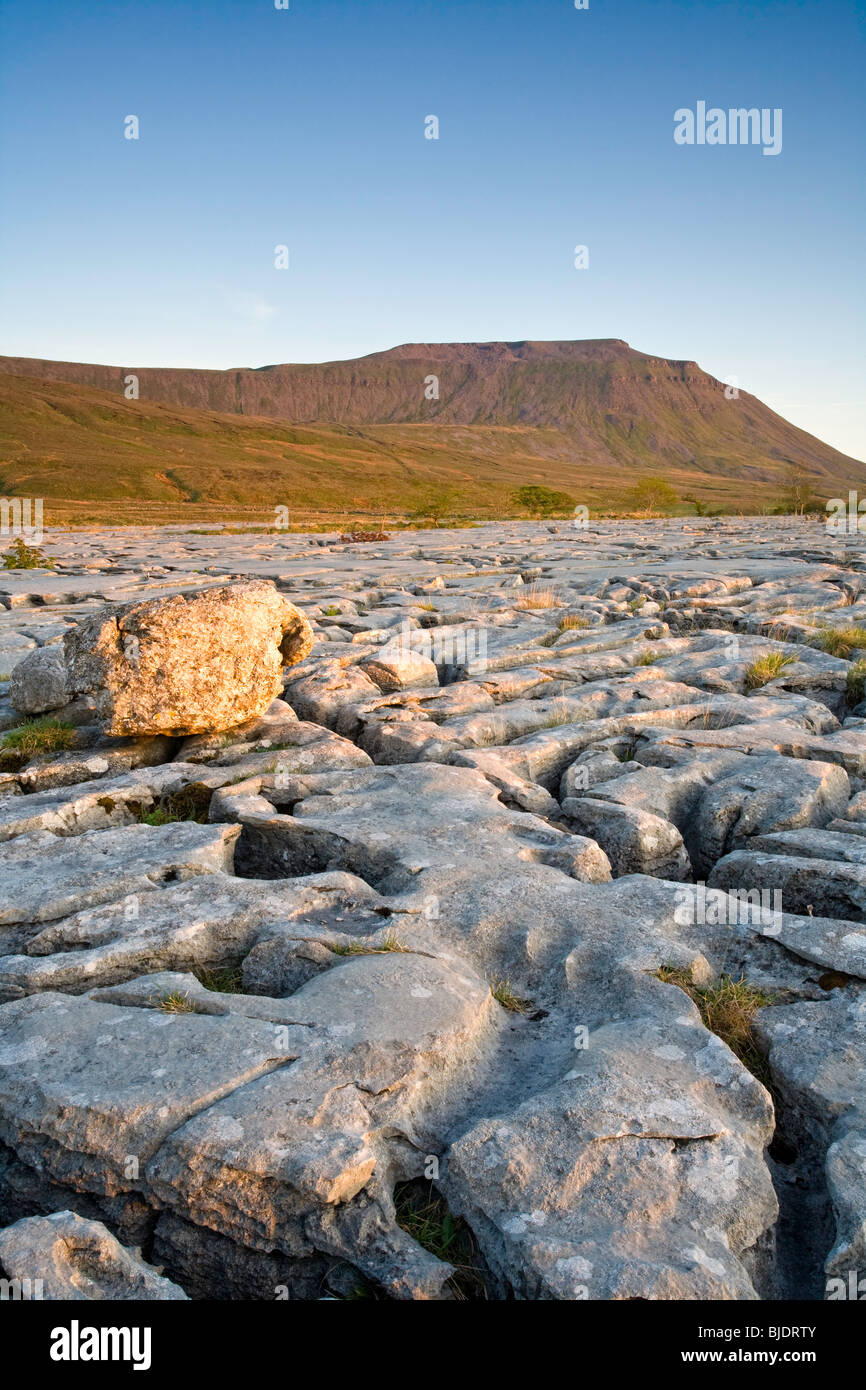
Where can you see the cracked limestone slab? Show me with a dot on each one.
(379, 1044)
(45, 876)
(759, 796)
(297, 746)
(89, 1091)
(817, 1055)
(639, 1174)
(212, 920)
(97, 804)
(392, 823)
(829, 888)
(847, 748)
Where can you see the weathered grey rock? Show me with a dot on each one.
(314, 1148)
(514, 790)
(44, 876)
(102, 758)
(762, 795)
(817, 1055)
(413, 818)
(828, 888)
(38, 683)
(845, 747)
(294, 746)
(68, 1257)
(635, 841)
(320, 695)
(591, 768)
(103, 802)
(814, 844)
(198, 663)
(400, 670)
(84, 1132)
(659, 1130)
(278, 721)
(209, 921)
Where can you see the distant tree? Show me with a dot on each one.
(651, 496)
(542, 501)
(799, 495)
(436, 503)
(25, 557)
(700, 507)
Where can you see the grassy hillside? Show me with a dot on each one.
(93, 455)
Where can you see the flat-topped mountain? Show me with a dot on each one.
(587, 417)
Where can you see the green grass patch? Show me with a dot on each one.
(45, 735)
(423, 1214)
(728, 1008)
(177, 1003)
(26, 557)
(841, 641)
(225, 979)
(855, 685)
(390, 942)
(505, 995)
(766, 668)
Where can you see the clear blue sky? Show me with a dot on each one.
(305, 127)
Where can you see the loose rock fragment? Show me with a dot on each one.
(195, 663)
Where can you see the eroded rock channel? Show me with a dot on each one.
(512, 946)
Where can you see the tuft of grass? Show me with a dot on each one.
(159, 816)
(504, 995)
(709, 718)
(728, 1008)
(423, 1214)
(539, 598)
(566, 624)
(45, 735)
(176, 1003)
(647, 658)
(855, 685)
(427, 606)
(766, 668)
(361, 1291)
(226, 979)
(634, 605)
(26, 557)
(332, 611)
(190, 804)
(390, 942)
(559, 715)
(841, 641)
